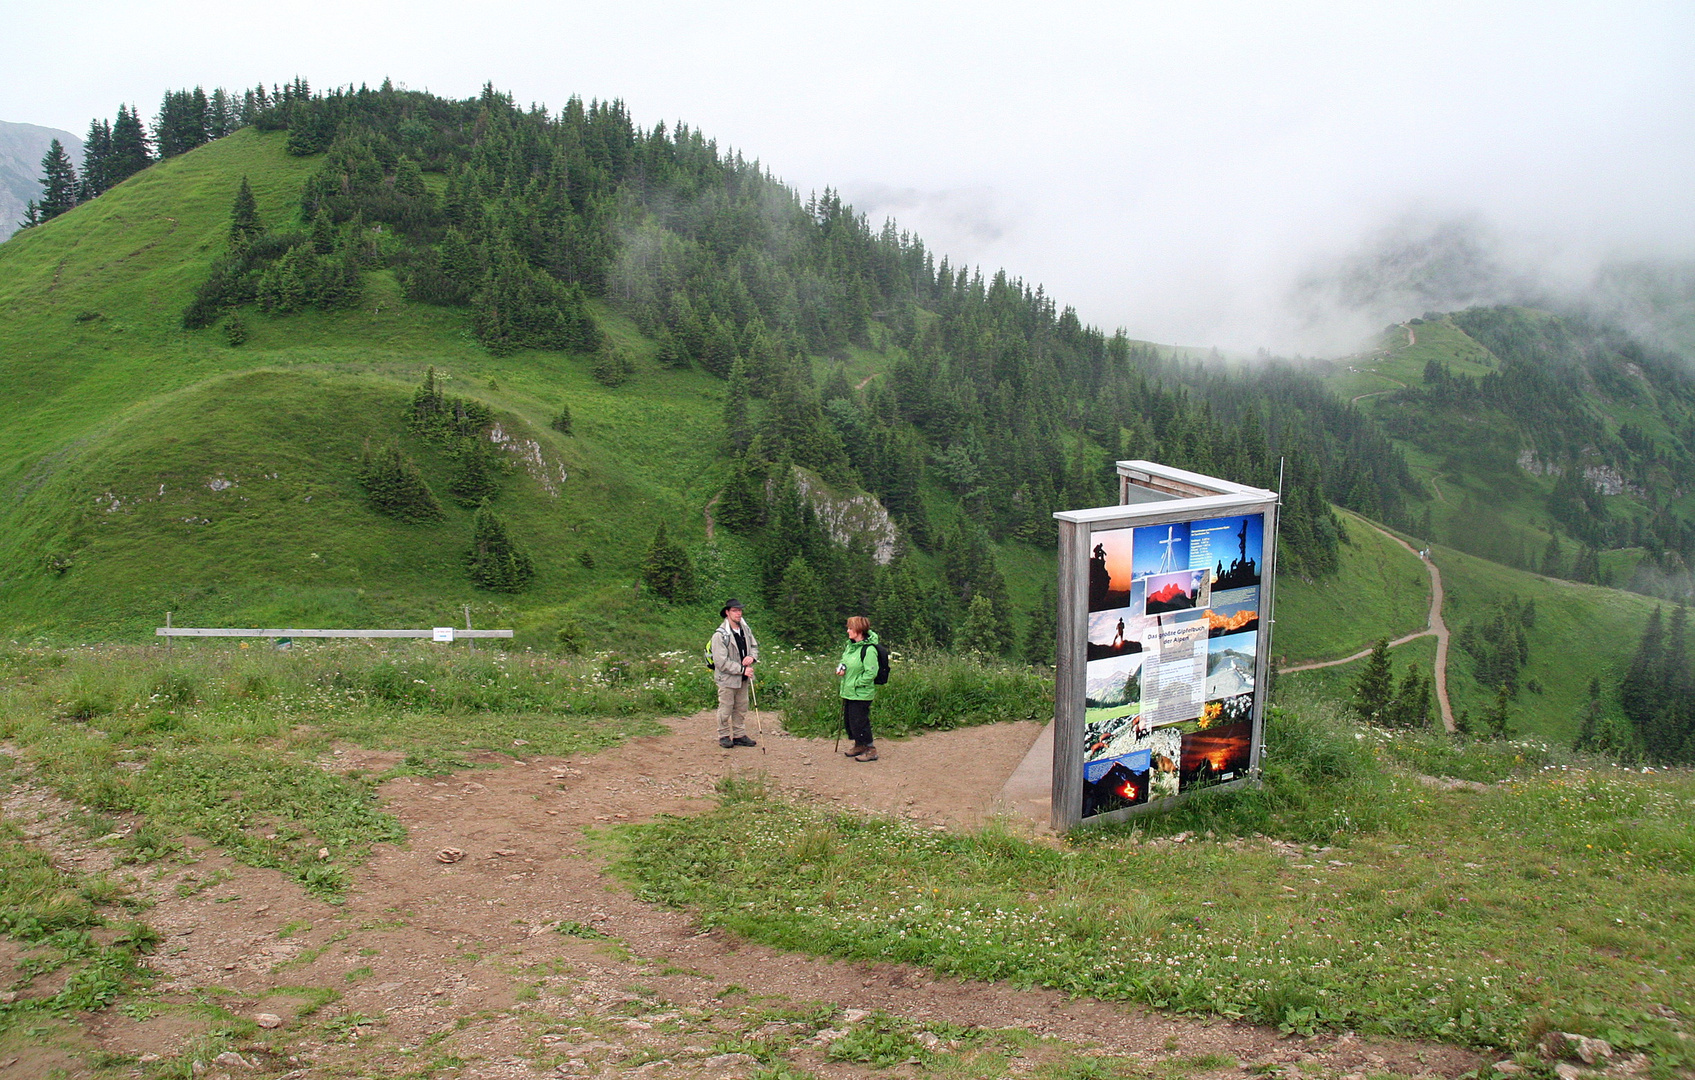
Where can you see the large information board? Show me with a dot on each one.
(1164, 637)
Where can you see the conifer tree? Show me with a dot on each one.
(132, 150)
(798, 606)
(1374, 689)
(738, 434)
(1553, 556)
(667, 569)
(740, 504)
(409, 180)
(395, 487)
(562, 422)
(245, 226)
(1411, 706)
(58, 183)
(1039, 634)
(1497, 721)
(981, 633)
(323, 233)
(221, 115)
(474, 481)
(96, 161)
(495, 561)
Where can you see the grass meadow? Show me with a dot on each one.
(1381, 589)
(1342, 893)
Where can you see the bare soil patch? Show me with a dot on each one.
(458, 969)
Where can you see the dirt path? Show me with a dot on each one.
(1433, 624)
(460, 964)
(1355, 400)
(707, 513)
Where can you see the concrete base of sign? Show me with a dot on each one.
(1029, 790)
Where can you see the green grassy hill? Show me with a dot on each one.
(150, 469)
(1531, 396)
(1381, 590)
(1579, 632)
(122, 430)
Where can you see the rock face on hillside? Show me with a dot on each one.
(849, 516)
(22, 147)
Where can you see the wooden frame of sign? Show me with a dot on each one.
(1163, 643)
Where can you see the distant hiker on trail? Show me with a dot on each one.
(734, 653)
(863, 666)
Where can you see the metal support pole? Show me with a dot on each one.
(168, 638)
(468, 626)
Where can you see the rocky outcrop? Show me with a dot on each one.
(1603, 478)
(848, 517)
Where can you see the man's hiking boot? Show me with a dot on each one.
(869, 755)
(856, 750)
(726, 742)
(742, 740)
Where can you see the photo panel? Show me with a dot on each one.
(1160, 549)
(1119, 783)
(1182, 591)
(1170, 659)
(1234, 612)
(1231, 665)
(1140, 767)
(1230, 549)
(1110, 559)
(1175, 668)
(1111, 685)
(1217, 754)
(1119, 631)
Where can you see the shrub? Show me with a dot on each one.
(393, 486)
(494, 560)
(925, 692)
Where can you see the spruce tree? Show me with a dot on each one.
(132, 150)
(1039, 633)
(737, 431)
(394, 487)
(981, 633)
(562, 422)
(495, 561)
(740, 504)
(1497, 721)
(474, 479)
(96, 161)
(1411, 707)
(58, 183)
(409, 180)
(1374, 689)
(323, 233)
(798, 607)
(667, 569)
(245, 226)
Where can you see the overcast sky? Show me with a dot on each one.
(1194, 172)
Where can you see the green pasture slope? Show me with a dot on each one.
(1580, 631)
(121, 429)
(1381, 590)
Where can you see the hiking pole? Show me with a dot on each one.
(758, 720)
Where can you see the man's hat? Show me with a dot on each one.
(728, 604)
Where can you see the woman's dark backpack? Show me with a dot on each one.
(882, 661)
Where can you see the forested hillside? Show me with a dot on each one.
(1551, 442)
(366, 235)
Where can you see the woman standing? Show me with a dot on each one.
(858, 672)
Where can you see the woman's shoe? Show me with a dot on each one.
(856, 750)
(869, 755)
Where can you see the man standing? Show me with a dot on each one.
(734, 653)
